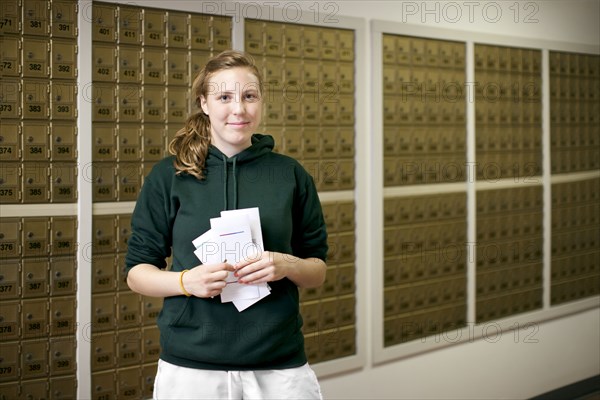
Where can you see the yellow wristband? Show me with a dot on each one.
(181, 282)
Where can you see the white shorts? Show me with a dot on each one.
(175, 382)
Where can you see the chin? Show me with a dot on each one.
(241, 134)
(240, 138)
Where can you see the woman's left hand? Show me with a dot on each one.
(265, 266)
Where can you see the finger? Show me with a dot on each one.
(224, 266)
(256, 277)
(218, 283)
(243, 263)
(240, 273)
(248, 259)
(250, 268)
(264, 279)
(219, 276)
(228, 267)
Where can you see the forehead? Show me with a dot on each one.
(236, 79)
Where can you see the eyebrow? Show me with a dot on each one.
(250, 90)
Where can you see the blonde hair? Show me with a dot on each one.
(190, 144)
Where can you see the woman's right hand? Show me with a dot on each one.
(206, 280)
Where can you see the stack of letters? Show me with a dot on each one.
(235, 236)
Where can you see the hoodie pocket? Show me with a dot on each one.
(180, 316)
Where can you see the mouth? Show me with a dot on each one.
(238, 124)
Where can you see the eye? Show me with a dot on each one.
(251, 97)
(224, 98)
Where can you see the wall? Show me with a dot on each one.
(560, 351)
(513, 365)
(558, 20)
(516, 363)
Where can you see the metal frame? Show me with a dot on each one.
(377, 192)
(86, 208)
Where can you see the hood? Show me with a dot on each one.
(261, 145)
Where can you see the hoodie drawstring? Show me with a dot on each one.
(225, 181)
(235, 205)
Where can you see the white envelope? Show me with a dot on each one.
(242, 304)
(207, 249)
(235, 236)
(254, 220)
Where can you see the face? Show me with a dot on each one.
(234, 107)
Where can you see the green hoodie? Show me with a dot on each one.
(172, 210)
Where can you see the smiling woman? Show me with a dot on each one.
(232, 79)
(209, 349)
(234, 107)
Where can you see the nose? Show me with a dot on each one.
(239, 107)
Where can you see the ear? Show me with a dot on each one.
(203, 104)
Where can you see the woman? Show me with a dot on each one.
(209, 349)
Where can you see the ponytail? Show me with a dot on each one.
(190, 144)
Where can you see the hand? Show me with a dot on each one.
(206, 280)
(265, 266)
